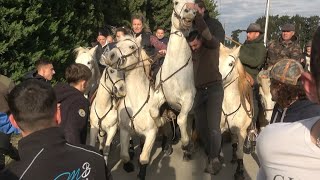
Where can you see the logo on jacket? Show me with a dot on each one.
(75, 174)
(82, 113)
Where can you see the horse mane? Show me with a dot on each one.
(245, 89)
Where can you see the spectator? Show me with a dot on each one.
(286, 47)
(45, 154)
(214, 25)
(44, 71)
(306, 56)
(120, 32)
(208, 99)
(109, 39)
(160, 34)
(287, 91)
(297, 142)
(74, 106)
(6, 128)
(144, 38)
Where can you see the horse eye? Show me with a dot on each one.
(230, 64)
(112, 55)
(131, 47)
(111, 71)
(176, 3)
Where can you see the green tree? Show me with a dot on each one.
(49, 29)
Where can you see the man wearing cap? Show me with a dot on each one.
(252, 56)
(288, 93)
(286, 46)
(292, 150)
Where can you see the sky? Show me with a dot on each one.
(238, 14)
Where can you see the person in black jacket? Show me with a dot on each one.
(44, 152)
(73, 105)
(215, 27)
(44, 71)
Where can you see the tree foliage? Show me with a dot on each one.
(52, 29)
(305, 26)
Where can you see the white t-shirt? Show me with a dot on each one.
(286, 152)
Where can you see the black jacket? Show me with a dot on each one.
(299, 110)
(215, 27)
(45, 154)
(74, 113)
(35, 75)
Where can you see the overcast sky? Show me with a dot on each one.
(238, 14)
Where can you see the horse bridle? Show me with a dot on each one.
(123, 57)
(231, 70)
(113, 97)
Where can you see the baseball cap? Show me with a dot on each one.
(287, 71)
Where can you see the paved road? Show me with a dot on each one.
(173, 168)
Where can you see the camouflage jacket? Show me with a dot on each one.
(280, 49)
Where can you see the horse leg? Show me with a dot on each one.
(131, 149)
(182, 122)
(166, 140)
(234, 141)
(111, 133)
(124, 154)
(150, 137)
(239, 175)
(93, 136)
(101, 141)
(158, 100)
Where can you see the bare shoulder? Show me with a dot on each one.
(315, 133)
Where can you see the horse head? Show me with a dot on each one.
(227, 62)
(183, 14)
(264, 82)
(113, 81)
(125, 55)
(86, 57)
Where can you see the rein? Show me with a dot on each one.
(113, 97)
(134, 116)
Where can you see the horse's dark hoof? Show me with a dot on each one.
(186, 156)
(140, 178)
(131, 153)
(239, 175)
(234, 160)
(128, 167)
(167, 150)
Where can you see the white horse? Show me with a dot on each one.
(237, 103)
(103, 112)
(133, 111)
(175, 80)
(265, 95)
(87, 57)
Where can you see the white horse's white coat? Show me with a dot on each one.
(265, 94)
(235, 85)
(176, 87)
(104, 108)
(87, 57)
(133, 111)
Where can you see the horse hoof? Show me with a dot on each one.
(140, 178)
(131, 153)
(128, 167)
(186, 156)
(233, 160)
(239, 176)
(167, 150)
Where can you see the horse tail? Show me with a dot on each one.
(246, 93)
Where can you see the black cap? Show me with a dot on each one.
(254, 27)
(288, 27)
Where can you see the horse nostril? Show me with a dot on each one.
(121, 88)
(186, 10)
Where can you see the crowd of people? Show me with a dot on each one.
(53, 121)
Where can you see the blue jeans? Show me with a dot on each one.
(208, 108)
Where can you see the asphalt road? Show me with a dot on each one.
(172, 167)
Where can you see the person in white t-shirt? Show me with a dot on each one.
(291, 151)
